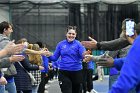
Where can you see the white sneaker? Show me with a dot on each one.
(93, 91)
(46, 91)
(47, 86)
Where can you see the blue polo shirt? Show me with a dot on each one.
(71, 54)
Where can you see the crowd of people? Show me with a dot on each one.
(128, 79)
(71, 62)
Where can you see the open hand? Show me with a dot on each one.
(90, 44)
(106, 62)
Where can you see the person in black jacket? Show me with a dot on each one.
(22, 79)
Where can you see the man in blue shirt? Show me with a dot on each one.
(130, 76)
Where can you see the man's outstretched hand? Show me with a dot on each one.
(90, 44)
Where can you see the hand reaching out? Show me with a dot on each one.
(12, 48)
(90, 44)
(16, 58)
(88, 58)
(107, 62)
(47, 53)
(90, 38)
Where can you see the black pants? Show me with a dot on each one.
(51, 74)
(70, 81)
(44, 81)
(55, 72)
(87, 80)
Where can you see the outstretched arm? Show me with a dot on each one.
(107, 45)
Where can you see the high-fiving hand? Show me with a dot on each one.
(90, 44)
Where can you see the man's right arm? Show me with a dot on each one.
(5, 62)
(107, 45)
(113, 44)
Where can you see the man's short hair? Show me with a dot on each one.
(4, 26)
